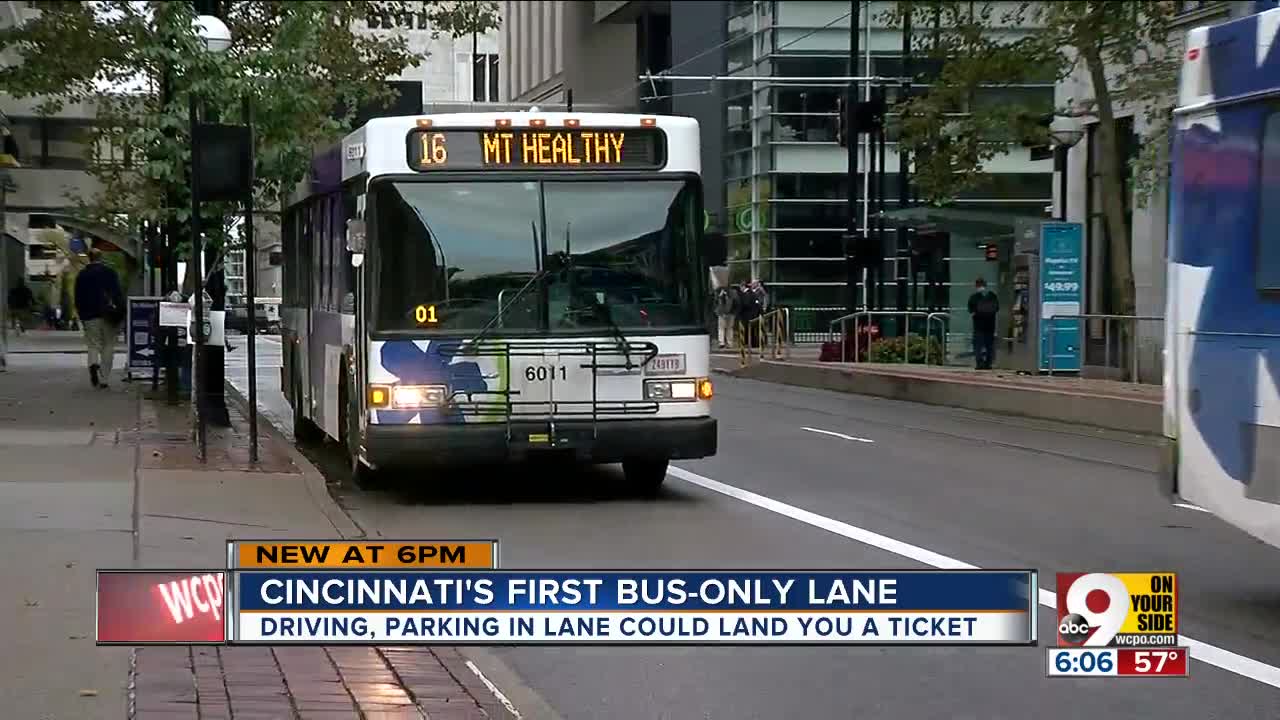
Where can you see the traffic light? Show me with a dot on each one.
(993, 251)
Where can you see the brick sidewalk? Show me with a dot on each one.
(307, 683)
(284, 683)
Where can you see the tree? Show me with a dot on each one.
(296, 61)
(952, 132)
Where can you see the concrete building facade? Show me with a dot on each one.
(43, 237)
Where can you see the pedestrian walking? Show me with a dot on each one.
(726, 306)
(100, 307)
(21, 300)
(983, 307)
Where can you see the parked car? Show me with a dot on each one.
(266, 315)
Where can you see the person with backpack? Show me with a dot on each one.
(983, 307)
(726, 307)
(750, 308)
(100, 306)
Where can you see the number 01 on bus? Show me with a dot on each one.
(425, 315)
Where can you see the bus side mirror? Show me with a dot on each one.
(355, 236)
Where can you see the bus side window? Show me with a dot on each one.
(1268, 248)
(348, 273)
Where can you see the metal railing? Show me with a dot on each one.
(772, 333)
(906, 316)
(1127, 351)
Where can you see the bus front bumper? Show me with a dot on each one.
(608, 441)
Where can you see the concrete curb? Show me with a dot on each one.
(317, 486)
(1133, 415)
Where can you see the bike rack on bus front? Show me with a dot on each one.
(632, 356)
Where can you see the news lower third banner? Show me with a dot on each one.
(282, 592)
(557, 607)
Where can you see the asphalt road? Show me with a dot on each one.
(813, 479)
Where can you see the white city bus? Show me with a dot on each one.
(1222, 336)
(496, 286)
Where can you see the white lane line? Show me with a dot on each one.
(1202, 651)
(1189, 506)
(836, 434)
(494, 689)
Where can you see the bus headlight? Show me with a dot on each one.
(412, 397)
(670, 390)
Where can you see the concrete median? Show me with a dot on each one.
(1134, 411)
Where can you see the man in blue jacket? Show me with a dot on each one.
(100, 305)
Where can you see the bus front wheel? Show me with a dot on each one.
(645, 476)
(362, 476)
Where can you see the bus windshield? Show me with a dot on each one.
(450, 256)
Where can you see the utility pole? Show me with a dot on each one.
(852, 235)
(169, 281)
(904, 156)
(213, 374)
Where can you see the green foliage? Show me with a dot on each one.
(952, 135)
(295, 61)
(889, 350)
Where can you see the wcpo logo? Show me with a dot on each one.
(1117, 609)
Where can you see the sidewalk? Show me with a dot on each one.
(50, 341)
(109, 479)
(1128, 407)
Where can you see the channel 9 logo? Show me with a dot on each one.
(1117, 610)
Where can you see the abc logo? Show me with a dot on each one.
(1074, 628)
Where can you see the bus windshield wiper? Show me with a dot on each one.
(623, 342)
(502, 309)
(600, 307)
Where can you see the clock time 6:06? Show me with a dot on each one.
(1084, 662)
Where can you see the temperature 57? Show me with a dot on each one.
(543, 373)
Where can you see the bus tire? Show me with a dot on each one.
(362, 476)
(645, 476)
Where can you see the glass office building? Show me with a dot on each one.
(785, 175)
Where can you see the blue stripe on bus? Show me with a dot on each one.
(1218, 229)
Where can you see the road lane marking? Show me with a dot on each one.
(836, 434)
(1201, 651)
(1189, 506)
(494, 689)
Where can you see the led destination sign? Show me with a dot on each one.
(537, 148)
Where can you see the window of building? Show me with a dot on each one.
(484, 77)
(1268, 272)
(811, 65)
(110, 147)
(820, 186)
(739, 55)
(1186, 6)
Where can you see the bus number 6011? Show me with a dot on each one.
(543, 373)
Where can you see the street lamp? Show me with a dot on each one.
(215, 33)
(1066, 138)
(217, 38)
(1062, 140)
